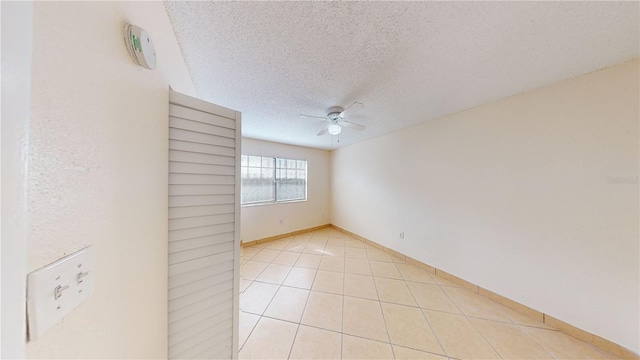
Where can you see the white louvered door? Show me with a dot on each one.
(204, 229)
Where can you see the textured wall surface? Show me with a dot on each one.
(261, 221)
(534, 197)
(98, 172)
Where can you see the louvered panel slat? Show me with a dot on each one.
(192, 168)
(223, 279)
(183, 245)
(214, 349)
(188, 279)
(198, 306)
(200, 342)
(188, 211)
(176, 201)
(198, 221)
(196, 296)
(199, 158)
(189, 346)
(215, 352)
(201, 148)
(205, 117)
(177, 190)
(203, 240)
(197, 179)
(179, 123)
(178, 257)
(191, 136)
(204, 315)
(184, 234)
(185, 266)
(185, 334)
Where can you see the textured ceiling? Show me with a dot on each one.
(408, 62)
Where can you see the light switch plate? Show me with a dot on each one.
(56, 289)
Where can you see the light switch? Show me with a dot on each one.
(56, 289)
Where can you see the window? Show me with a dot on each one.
(271, 180)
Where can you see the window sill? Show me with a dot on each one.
(273, 203)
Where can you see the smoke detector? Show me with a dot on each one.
(140, 46)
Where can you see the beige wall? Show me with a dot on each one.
(518, 196)
(261, 221)
(98, 172)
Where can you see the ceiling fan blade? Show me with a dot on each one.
(324, 130)
(352, 109)
(353, 125)
(315, 117)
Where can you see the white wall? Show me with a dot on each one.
(516, 196)
(261, 221)
(98, 172)
(17, 25)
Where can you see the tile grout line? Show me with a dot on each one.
(384, 318)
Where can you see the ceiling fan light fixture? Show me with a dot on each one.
(334, 129)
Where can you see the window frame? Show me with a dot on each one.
(276, 180)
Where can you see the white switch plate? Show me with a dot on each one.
(56, 289)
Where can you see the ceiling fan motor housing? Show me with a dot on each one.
(333, 114)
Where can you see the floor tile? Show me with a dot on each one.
(313, 249)
(413, 273)
(332, 263)
(335, 242)
(288, 304)
(476, 305)
(403, 353)
(384, 269)
(355, 253)
(313, 343)
(358, 348)
(294, 246)
(248, 252)
(522, 319)
(300, 277)
(266, 255)
(257, 297)
(458, 337)
(336, 251)
(328, 281)
(561, 345)
(432, 297)
(357, 266)
(364, 318)
(244, 284)
(270, 339)
(309, 261)
(274, 274)
(444, 282)
(394, 291)
(277, 244)
(360, 286)
(378, 255)
(509, 341)
(246, 324)
(286, 258)
(352, 243)
(251, 269)
(324, 311)
(407, 327)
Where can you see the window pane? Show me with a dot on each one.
(292, 190)
(302, 164)
(257, 190)
(243, 160)
(255, 161)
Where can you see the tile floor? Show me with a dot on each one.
(324, 295)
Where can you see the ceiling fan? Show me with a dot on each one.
(335, 117)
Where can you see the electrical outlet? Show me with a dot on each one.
(402, 235)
